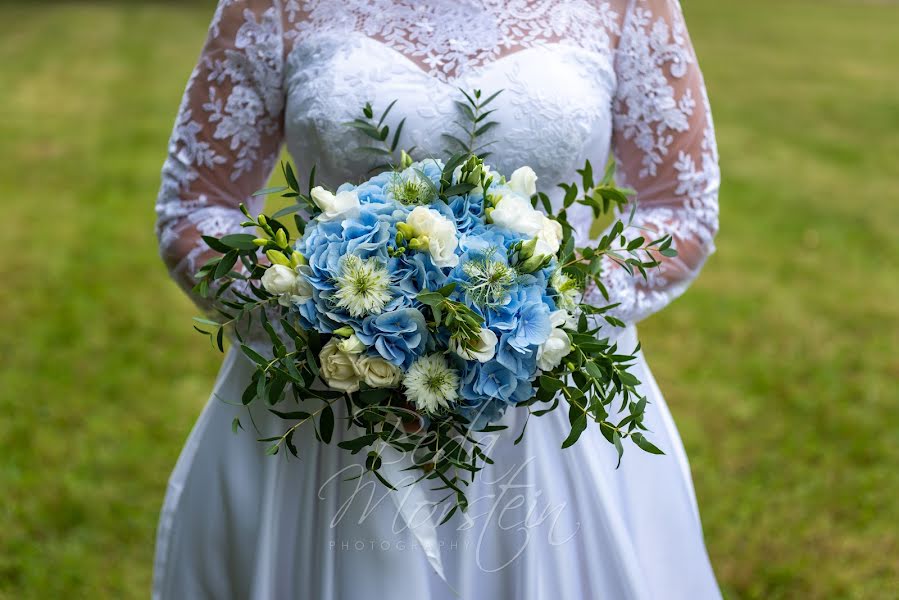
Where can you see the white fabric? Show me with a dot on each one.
(579, 78)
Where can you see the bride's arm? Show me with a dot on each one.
(664, 145)
(227, 135)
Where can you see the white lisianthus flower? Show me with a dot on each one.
(334, 206)
(484, 347)
(351, 345)
(441, 233)
(302, 289)
(431, 384)
(557, 345)
(567, 290)
(515, 213)
(524, 182)
(378, 373)
(279, 279)
(338, 368)
(549, 238)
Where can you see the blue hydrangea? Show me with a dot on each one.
(399, 336)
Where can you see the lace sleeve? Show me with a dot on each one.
(664, 145)
(227, 135)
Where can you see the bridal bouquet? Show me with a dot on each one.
(430, 299)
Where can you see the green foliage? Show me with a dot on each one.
(376, 130)
(472, 123)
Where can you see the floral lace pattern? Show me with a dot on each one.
(666, 150)
(578, 77)
(450, 37)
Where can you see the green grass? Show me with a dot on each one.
(780, 364)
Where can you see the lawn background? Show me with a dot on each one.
(780, 365)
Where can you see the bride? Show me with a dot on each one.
(581, 79)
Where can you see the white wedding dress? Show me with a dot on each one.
(581, 79)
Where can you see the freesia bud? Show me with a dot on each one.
(277, 258)
(344, 331)
(260, 242)
(297, 259)
(534, 263)
(419, 243)
(527, 249)
(281, 238)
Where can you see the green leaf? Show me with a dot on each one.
(462, 145)
(326, 423)
(227, 263)
(459, 189)
(587, 175)
(271, 190)
(550, 383)
(239, 241)
(446, 290)
(372, 397)
(203, 321)
(578, 426)
(254, 356)
(297, 415)
(384, 114)
(357, 444)
(616, 441)
(485, 128)
(215, 244)
(430, 298)
(396, 135)
(235, 425)
(290, 177)
(645, 444)
(287, 210)
(490, 98)
(373, 150)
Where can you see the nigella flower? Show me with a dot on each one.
(362, 286)
(431, 384)
(489, 279)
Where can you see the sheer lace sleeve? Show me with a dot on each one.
(664, 144)
(227, 135)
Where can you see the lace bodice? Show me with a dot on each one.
(580, 79)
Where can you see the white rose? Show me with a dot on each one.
(338, 368)
(441, 234)
(351, 345)
(378, 373)
(557, 345)
(524, 182)
(484, 348)
(549, 238)
(334, 206)
(516, 214)
(279, 279)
